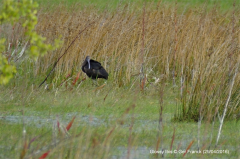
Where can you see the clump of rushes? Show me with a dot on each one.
(196, 45)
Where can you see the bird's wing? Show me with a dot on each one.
(101, 73)
(93, 61)
(95, 65)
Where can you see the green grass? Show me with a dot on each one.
(103, 127)
(97, 117)
(112, 4)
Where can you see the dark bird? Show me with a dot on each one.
(94, 69)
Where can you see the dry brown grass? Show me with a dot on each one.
(198, 48)
(203, 40)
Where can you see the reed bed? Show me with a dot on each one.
(195, 49)
(192, 52)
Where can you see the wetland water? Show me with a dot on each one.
(39, 120)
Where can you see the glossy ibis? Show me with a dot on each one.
(94, 69)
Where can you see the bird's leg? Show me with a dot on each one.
(95, 82)
(105, 81)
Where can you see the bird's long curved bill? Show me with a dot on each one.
(88, 63)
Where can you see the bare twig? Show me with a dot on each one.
(232, 51)
(130, 134)
(142, 76)
(176, 41)
(226, 104)
(160, 125)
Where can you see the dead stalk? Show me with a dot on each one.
(226, 104)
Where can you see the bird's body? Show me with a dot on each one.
(94, 69)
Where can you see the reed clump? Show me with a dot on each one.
(198, 48)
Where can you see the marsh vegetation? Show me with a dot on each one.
(173, 83)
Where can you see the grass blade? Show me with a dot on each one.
(44, 155)
(188, 147)
(70, 123)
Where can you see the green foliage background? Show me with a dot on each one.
(23, 11)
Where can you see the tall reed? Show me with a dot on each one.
(199, 46)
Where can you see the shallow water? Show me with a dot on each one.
(40, 120)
